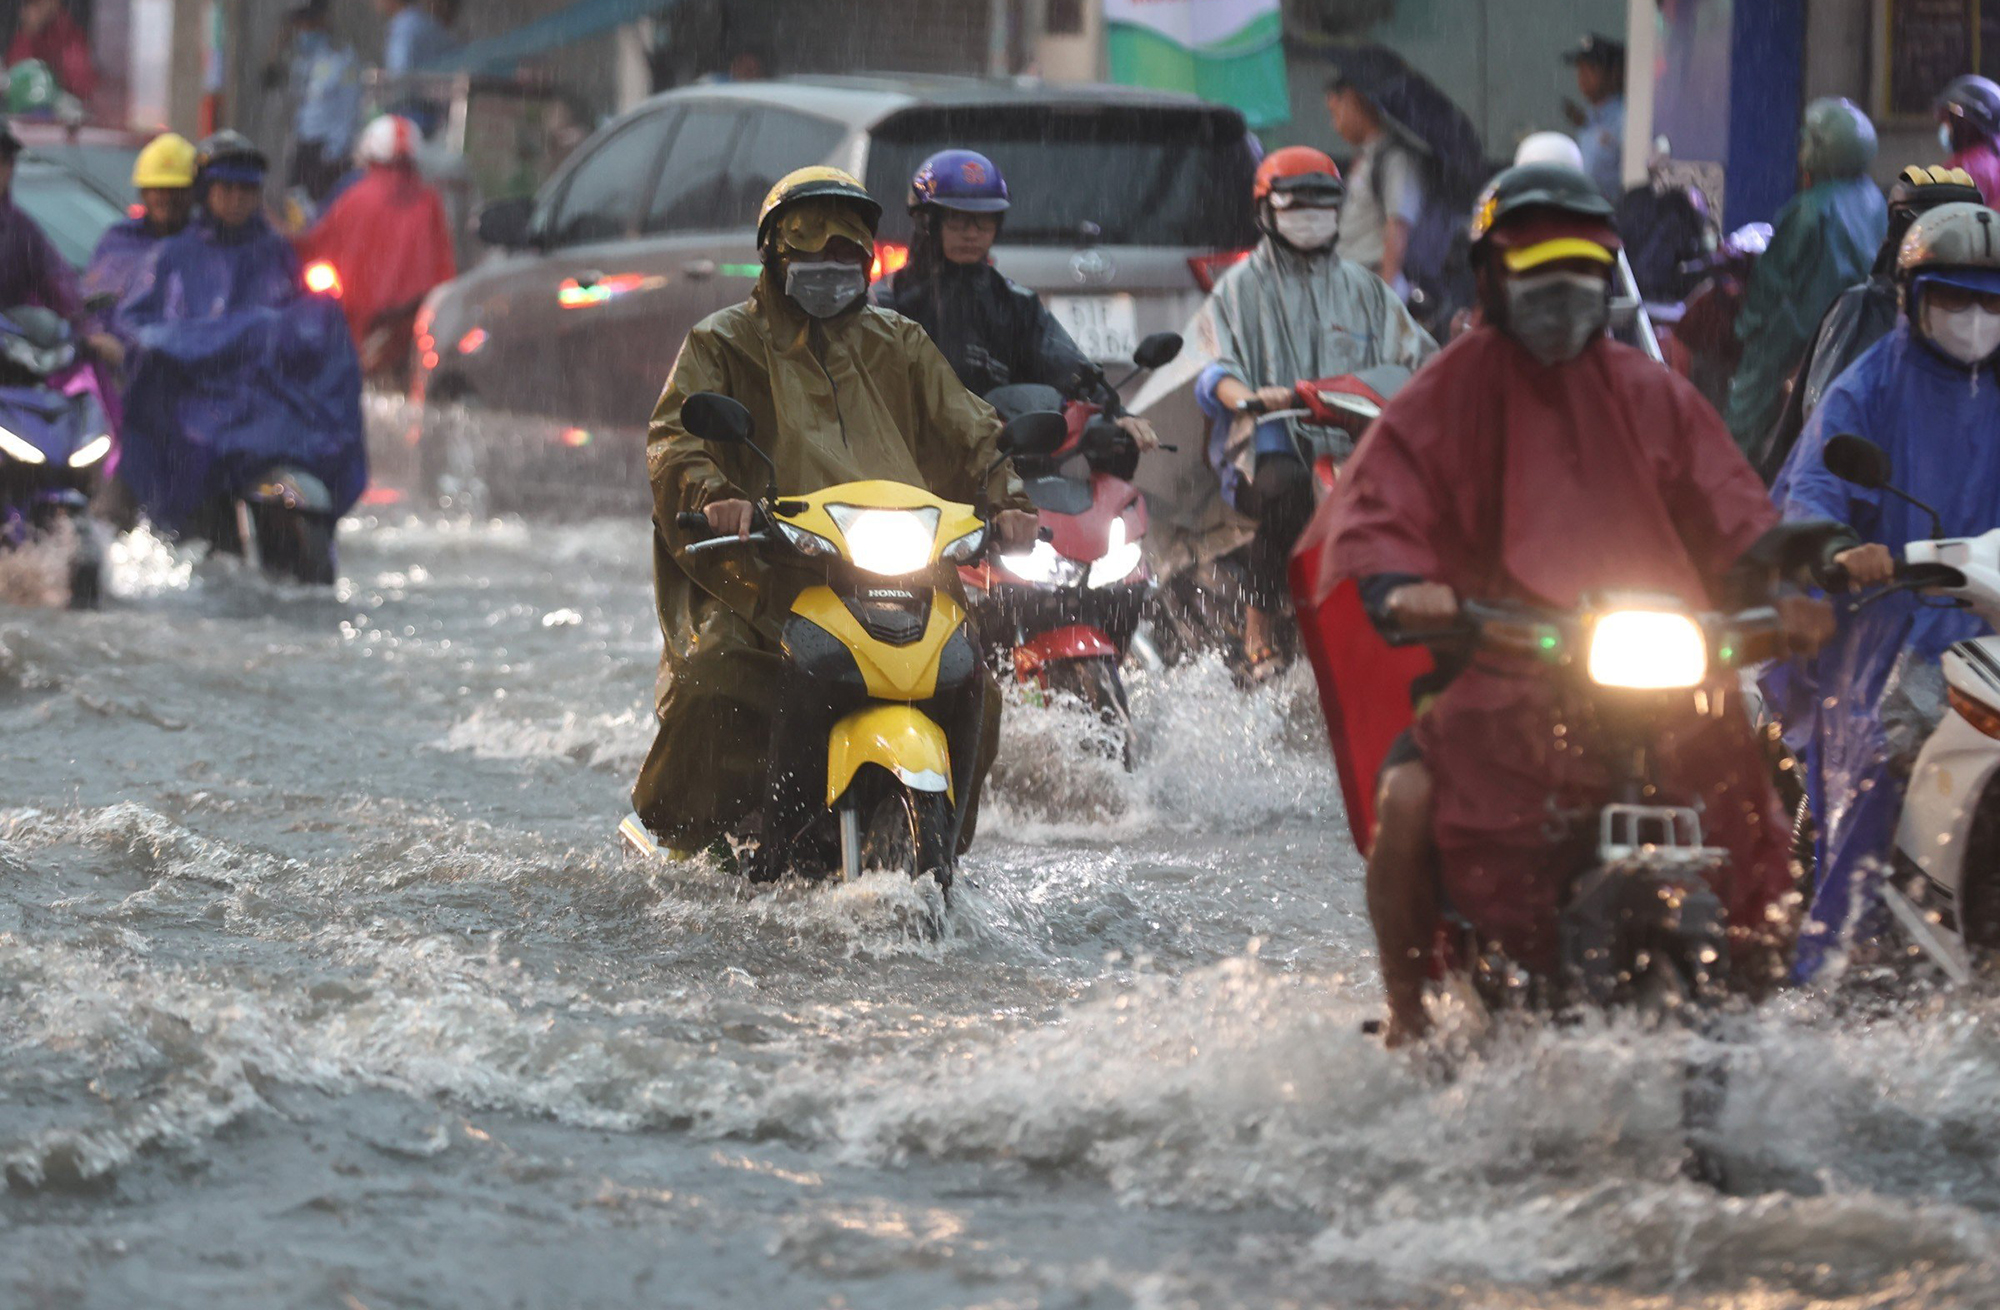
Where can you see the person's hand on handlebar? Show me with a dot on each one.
(1017, 529)
(1807, 622)
(1423, 606)
(730, 518)
(1140, 431)
(1867, 566)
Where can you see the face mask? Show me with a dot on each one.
(1309, 229)
(1944, 137)
(1555, 315)
(824, 288)
(1968, 335)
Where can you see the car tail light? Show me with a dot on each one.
(1207, 268)
(323, 279)
(890, 258)
(1983, 717)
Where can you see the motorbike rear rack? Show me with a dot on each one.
(1654, 834)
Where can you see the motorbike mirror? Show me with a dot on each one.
(1857, 460)
(1018, 398)
(1158, 349)
(504, 223)
(1039, 433)
(718, 418)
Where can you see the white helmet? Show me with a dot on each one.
(387, 140)
(1549, 148)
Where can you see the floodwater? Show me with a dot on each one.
(325, 984)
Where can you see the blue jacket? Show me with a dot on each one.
(235, 368)
(1937, 419)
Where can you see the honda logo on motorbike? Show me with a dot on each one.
(1091, 267)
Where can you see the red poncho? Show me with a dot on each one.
(1509, 480)
(387, 238)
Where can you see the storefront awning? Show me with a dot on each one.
(575, 22)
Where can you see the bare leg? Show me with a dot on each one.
(1256, 633)
(1402, 896)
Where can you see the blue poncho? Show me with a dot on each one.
(1939, 421)
(234, 369)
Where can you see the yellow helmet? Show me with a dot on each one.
(819, 181)
(167, 161)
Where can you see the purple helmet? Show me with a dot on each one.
(964, 180)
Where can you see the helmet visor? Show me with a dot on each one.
(806, 227)
(1310, 190)
(1551, 236)
(1982, 281)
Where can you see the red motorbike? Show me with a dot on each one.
(1331, 415)
(1061, 616)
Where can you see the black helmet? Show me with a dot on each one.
(229, 156)
(1537, 186)
(1974, 101)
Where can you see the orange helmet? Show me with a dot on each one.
(1301, 171)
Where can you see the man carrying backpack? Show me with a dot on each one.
(1385, 191)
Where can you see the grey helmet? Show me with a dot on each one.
(1836, 140)
(1950, 236)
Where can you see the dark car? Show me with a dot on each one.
(1125, 202)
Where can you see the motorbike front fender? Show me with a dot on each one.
(1076, 641)
(901, 738)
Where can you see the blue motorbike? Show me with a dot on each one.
(56, 444)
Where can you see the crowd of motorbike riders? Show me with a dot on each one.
(1504, 496)
(1461, 577)
(207, 370)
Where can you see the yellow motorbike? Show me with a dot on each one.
(877, 734)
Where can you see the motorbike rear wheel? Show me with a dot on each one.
(296, 544)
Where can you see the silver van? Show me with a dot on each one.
(1125, 203)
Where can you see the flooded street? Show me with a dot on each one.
(326, 984)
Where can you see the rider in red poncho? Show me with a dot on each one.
(387, 239)
(1535, 460)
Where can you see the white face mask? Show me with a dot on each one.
(1968, 335)
(1309, 229)
(1944, 137)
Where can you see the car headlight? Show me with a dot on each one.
(92, 451)
(16, 449)
(1647, 650)
(807, 543)
(1044, 566)
(1119, 560)
(888, 542)
(965, 547)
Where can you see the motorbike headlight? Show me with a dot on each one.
(1647, 650)
(889, 542)
(807, 543)
(1040, 565)
(91, 452)
(965, 547)
(16, 449)
(1119, 560)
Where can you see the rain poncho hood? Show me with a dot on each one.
(387, 238)
(1509, 480)
(233, 370)
(1282, 317)
(864, 395)
(1824, 242)
(1936, 418)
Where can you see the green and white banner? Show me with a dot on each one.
(1229, 51)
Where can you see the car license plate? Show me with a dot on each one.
(1103, 327)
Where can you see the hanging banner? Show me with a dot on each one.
(1228, 51)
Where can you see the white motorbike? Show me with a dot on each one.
(1946, 892)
